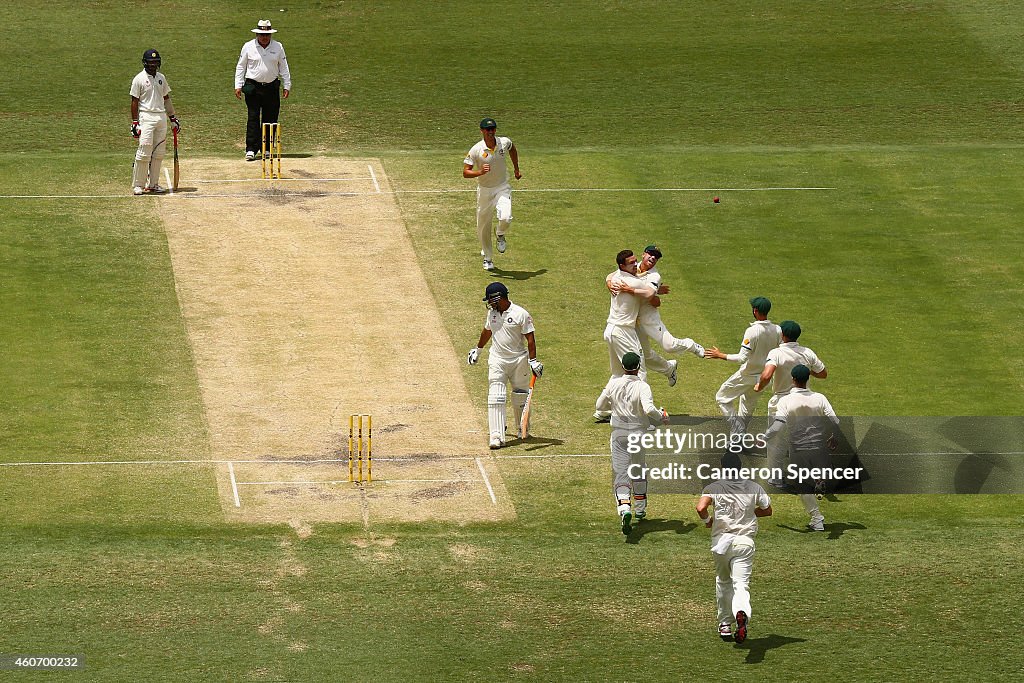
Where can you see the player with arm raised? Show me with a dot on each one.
(736, 397)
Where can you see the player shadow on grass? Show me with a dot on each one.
(757, 647)
(518, 274)
(834, 529)
(657, 526)
(534, 443)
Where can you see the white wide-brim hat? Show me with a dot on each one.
(263, 26)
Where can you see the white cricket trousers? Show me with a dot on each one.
(622, 484)
(732, 585)
(621, 340)
(152, 148)
(491, 201)
(737, 399)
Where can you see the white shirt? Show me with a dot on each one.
(787, 357)
(803, 411)
(630, 401)
(263, 64)
(735, 501)
(151, 91)
(480, 154)
(508, 329)
(649, 313)
(625, 307)
(758, 340)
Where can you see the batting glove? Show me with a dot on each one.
(473, 356)
(176, 123)
(537, 367)
(136, 129)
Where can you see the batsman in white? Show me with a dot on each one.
(486, 161)
(736, 397)
(630, 402)
(649, 324)
(151, 105)
(736, 503)
(512, 359)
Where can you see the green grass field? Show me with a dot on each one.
(906, 277)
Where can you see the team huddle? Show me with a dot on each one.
(769, 355)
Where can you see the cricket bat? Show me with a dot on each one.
(524, 423)
(177, 171)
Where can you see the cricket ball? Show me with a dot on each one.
(715, 200)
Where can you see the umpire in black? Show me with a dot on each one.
(262, 67)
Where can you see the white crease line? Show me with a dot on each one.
(346, 481)
(374, 177)
(486, 481)
(167, 177)
(234, 484)
(294, 180)
(440, 191)
(427, 460)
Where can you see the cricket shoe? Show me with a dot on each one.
(495, 443)
(250, 156)
(627, 519)
(725, 632)
(817, 526)
(672, 378)
(698, 350)
(488, 265)
(155, 189)
(641, 515)
(138, 191)
(602, 418)
(741, 627)
(502, 244)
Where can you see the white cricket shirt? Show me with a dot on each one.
(803, 410)
(625, 307)
(480, 154)
(735, 501)
(151, 91)
(758, 340)
(785, 358)
(263, 64)
(648, 312)
(630, 401)
(507, 332)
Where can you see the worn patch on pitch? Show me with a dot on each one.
(304, 303)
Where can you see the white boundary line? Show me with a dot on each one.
(373, 176)
(234, 485)
(222, 195)
(487, 481)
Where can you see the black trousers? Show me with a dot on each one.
(264, 105)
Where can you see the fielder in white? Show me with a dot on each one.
(736, 397)
(737, 504)
(512, 359)
(631, 404)
(778, 367)
(649, 324)
(486, 161)
(627, 294)
(150, 107)
(805, 415)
